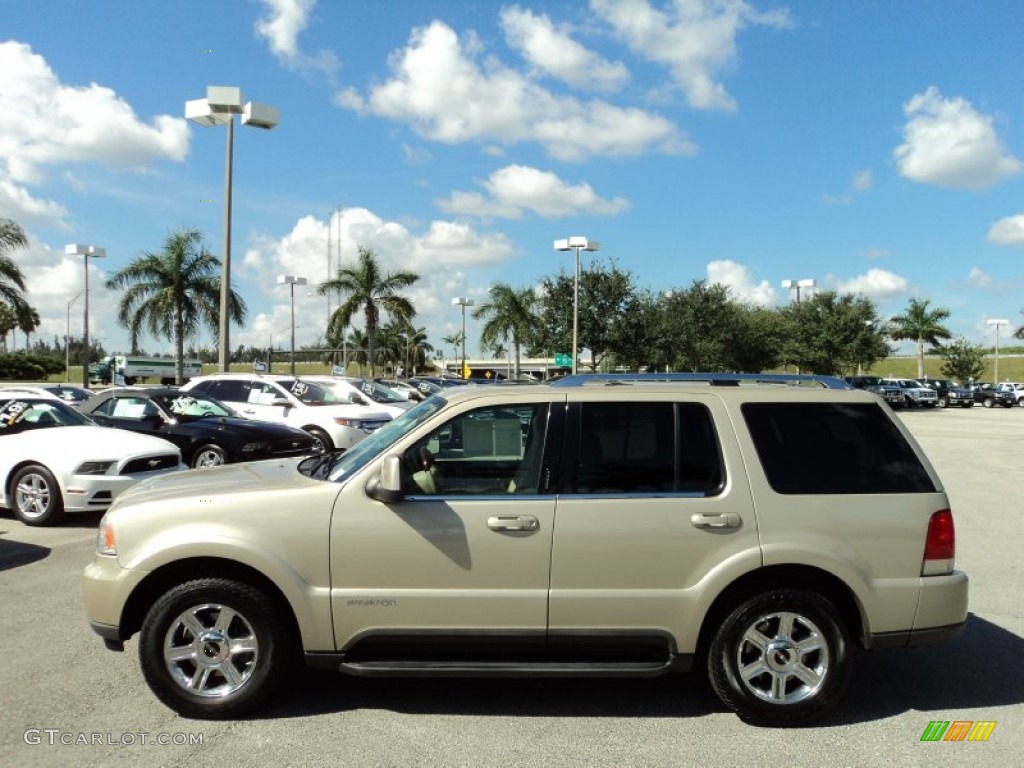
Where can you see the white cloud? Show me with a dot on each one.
(947, 143)
(695, 39)
(45, 123)
(861, 182)
(875, 284)
(554, 52)
(441, 87)
(978, 279)
(438, 255)
(281, 25)
(741, 282)
(1008, 231)
(514, 189)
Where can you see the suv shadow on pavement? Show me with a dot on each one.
(950, 678)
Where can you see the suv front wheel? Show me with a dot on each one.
(214, 648)
(781, 658)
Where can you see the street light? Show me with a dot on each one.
(67, 340)
(997, 323)
(798, 284)
(219, 107)
(462, 301)
(576, 244)
(291, 281)
(85, 251)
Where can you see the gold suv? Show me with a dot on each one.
(599, 526)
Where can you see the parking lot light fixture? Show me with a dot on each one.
(997, 322)
(462, 301)
(798, 284)
(85, 251)
(577, 243)
(219, 107)
(291, 281)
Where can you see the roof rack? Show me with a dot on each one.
(712, 379)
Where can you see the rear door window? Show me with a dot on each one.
(645, 448)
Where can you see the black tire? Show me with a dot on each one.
(208, 455)
(943, 402)
(321, 441)
(908, 403)
(35, 496)
(826, 666)
(988, 402)
(206, 679)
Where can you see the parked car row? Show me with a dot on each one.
(56, 455)
(941, 393)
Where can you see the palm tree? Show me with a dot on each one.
(922, 325)
(173, 292)
(366, 288)
(12, 281)
(510, 316)
(28, 321)
(417, 348)
(8, 322)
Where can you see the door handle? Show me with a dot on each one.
(723, 520)
(513, 523)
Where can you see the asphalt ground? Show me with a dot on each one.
(66, 701)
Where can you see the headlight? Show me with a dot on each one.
(106, 543)
(254, 447)
(93, 467)
(354, 423)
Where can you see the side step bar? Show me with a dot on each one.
(509, 669)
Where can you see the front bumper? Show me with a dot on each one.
(85, 493)
(106, 587)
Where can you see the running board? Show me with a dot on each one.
(505, 669)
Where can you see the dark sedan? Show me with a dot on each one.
(207, 431)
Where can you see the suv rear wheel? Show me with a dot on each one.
(214, 648)
(781, 658)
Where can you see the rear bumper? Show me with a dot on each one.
(941, 614)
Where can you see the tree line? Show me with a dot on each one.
(173, 293)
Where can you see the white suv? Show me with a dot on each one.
(333, 422)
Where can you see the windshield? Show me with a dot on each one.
(22, 414)
(311, 393)
(194, 406)
(356, 457)
(378, 392)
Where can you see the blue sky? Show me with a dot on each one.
(876, 147)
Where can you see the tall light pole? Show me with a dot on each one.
(997, 322)
(291, 281)
(577, 244)
(798, 284)
(462, 301)
(219, 107)
(85, 251)
(67, 340)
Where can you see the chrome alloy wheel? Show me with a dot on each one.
(782, 658)
(210, 650)
(32, 495)
(210, 456)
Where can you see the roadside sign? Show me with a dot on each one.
(563, 360)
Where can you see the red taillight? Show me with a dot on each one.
(940, 544)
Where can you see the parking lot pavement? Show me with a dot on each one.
(64, 700)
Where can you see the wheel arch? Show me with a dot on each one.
(15, 469)
(804, 577)
(168, 576)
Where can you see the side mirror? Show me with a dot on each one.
(386, 485)
(356, 399)
(281, 401)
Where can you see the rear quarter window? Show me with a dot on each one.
(833, 448)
